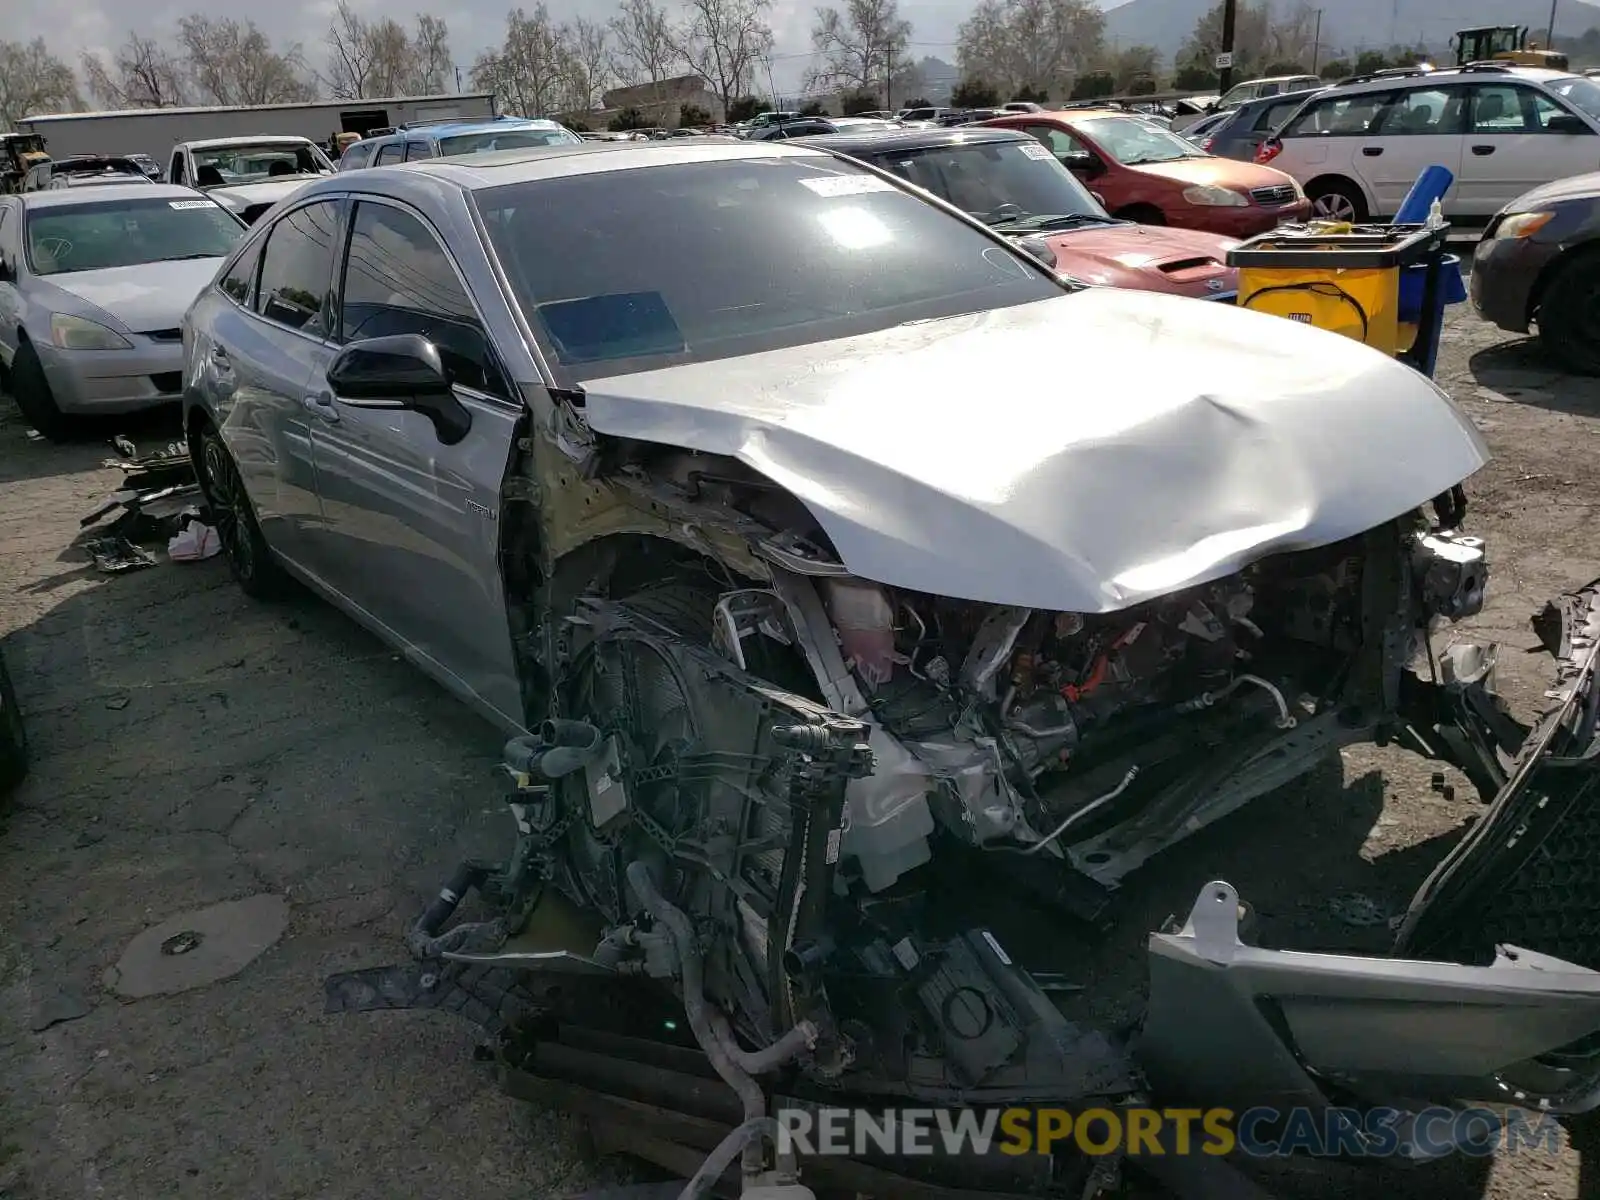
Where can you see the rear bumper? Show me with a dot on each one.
(113, 381)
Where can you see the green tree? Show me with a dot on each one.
(974, 93)
(1284, 67)
(1194, 77)
(692, 116)
(1337, 69)
(628, 118)
(1369, 61)
(853, 104)
(1031, 95)
(1091, 85)
(1146, 86)
(919, 102)
(746, 107)
(813, 108)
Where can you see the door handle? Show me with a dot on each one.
(1483, 151)
(322, 406)
(1372, 151)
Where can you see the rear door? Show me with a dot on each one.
(413, 524)
(1244, 143)
(1420, 128)
(1510, 149)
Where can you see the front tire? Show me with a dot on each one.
(31, 390)
(249, 560)
(1569, 316)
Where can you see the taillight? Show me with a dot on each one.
(1205, 144)
(1269, 150)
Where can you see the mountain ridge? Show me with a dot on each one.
(1356, 25)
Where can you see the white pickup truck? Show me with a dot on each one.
(247, 175)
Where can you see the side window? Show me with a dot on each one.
(1541, 109)
(1274, 115)
(1422, 112)
(1062, 144)
(297, 267)
(1497, 108)
(239, 283)
(416, 150)
(1341, 116)
(176, 173)
(7, 258)
(398, 279)
(389, 153)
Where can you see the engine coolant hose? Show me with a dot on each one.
(739, 1138)
(732, 1063)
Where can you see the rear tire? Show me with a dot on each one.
(249, 560)
(1569, 315)
(31, 390)
(13, 736)
(1335, 199)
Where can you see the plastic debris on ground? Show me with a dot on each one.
(115, 555)
(157, 499)
(195, 541)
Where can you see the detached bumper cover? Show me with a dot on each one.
(1234, 1024)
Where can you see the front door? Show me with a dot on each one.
(1510, 149)
(414, 524)
(268, 343)
(1421, 128)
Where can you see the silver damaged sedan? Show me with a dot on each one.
(860, 664)
(93, 287)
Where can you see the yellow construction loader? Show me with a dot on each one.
(19, 154)
(1507, 44)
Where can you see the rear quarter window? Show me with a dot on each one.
(1340, 116)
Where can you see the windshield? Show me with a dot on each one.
(764, 253)
(505, 139)
(64, 238)
(1001, 183)
(1580, 92)
(217, 166)
(1132, 141)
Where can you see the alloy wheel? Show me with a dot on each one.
(1334, 206)
(230, 508)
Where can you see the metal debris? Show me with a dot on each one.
(115, 555)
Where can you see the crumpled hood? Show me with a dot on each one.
(1083, 453)
(1152, 257)
(243, 195)
(145, 297)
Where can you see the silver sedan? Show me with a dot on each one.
(93, 287)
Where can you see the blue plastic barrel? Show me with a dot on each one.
(1431, 185)
(1414, 279)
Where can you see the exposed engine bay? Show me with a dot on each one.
(844, 825)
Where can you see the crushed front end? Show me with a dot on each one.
(788, 837)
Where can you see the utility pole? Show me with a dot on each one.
(1550, 36)
(1316, 43)
(888, 78)
(1230, 16)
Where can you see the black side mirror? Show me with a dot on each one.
(1566, 123)
(1082, 164)
(403, 371)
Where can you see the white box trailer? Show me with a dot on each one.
(154, 131)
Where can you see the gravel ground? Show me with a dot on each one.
(192, 747)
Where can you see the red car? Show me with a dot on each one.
(1012, 184)
(1147, 174)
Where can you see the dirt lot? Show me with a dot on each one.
(192, 746)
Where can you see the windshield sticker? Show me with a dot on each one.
(846, 185)
(1037, 150)
(191, 204)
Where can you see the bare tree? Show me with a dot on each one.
(1260, 37)
(379, 58)
(1030, 43)
(641, 36)
(858, 46)
(528, 71)
(232, 62)
(586, 55)
(1134, 64)
(34, 82)
(722, 41)
(141, 73)
(432, 67)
